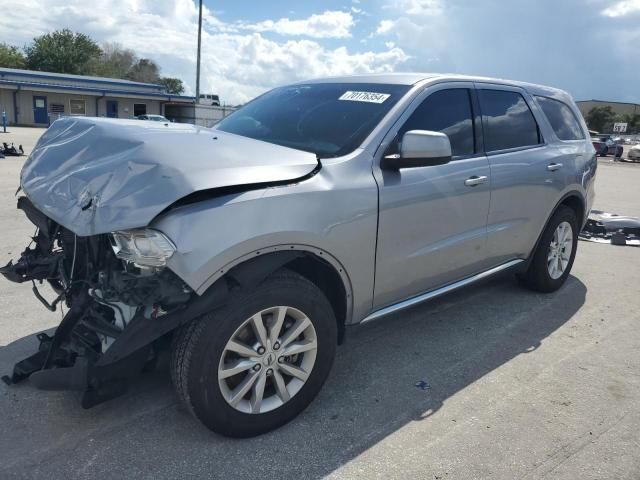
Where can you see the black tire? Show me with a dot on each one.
(537, 276)
(198, 347)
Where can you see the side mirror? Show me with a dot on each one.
(420, 148)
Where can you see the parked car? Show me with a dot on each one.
(153, 118)
(634, 153)
(251, 248)
(605, 145)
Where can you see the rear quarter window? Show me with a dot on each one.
(562, 119)
(507, 120)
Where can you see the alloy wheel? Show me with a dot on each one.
(560, 250)
(267, 360)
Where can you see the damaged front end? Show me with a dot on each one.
(121, 302)
(89, 184)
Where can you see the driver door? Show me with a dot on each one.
(432, 219)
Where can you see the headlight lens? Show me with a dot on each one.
(144, 247)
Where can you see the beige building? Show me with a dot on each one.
(37, 98)
(197, 114)
(619, 108)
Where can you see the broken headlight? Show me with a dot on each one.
(144, 247)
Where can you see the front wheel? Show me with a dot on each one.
(258, 362)
(554, 255)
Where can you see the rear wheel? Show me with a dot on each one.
(257, 363)
(554, 256)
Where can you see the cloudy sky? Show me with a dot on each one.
(589, 47)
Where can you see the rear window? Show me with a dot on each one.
(508, 121)
(562, 119)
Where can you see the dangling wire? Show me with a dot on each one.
(33, 239)
(73, 262)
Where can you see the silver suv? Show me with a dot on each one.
(248, 249)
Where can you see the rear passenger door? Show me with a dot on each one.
(522, 191)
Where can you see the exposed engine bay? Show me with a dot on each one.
(115, 309)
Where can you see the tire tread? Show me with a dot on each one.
(184, 344)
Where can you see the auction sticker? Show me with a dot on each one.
(369, 97)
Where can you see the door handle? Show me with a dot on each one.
(552, 167)
(475, 180)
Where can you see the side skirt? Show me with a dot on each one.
(439, 291)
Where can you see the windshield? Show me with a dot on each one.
(328, 119)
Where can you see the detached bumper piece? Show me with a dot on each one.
(71, 359)
(67, 361)
(603, 227)
(118, 312)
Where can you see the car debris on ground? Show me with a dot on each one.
(10, 150)
(603, 227)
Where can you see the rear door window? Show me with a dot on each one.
(449, 112)
(508, 121)
(562, 119)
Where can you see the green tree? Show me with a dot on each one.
(600, 118)
(144, 70)
(63, 51)
(172, 85)
(114, 61)
(11, 57)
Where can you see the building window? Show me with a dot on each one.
(77, 107)
(139, 109)
(56, 107)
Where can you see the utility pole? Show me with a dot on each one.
(198, 58)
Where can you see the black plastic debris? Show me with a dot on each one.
(7, 150)
(603, 227)
(423, 385)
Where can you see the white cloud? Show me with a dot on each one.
(417, 35)
(385, 26)
(330, 24)
(425, 40)
(622, 8)
(257, 63)
(420, 26)
(417, 7)
(236, 64)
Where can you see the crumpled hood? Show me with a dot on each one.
(97, 175)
